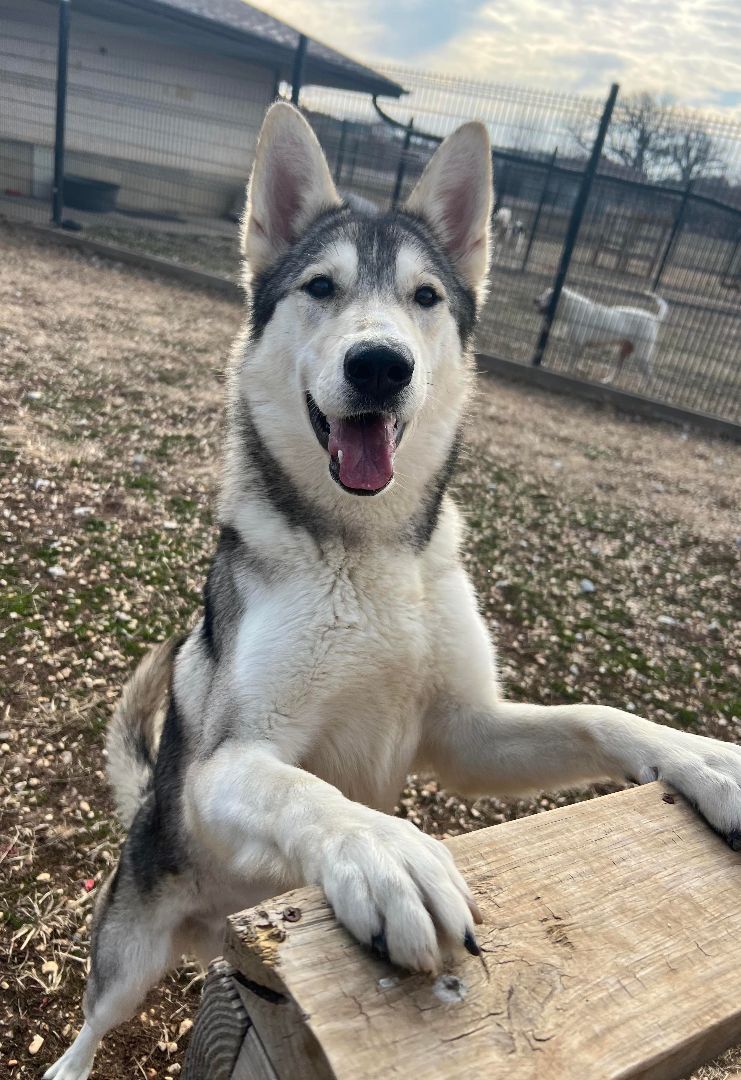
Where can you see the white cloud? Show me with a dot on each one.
(687, 49)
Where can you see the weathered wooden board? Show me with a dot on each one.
(612, 938)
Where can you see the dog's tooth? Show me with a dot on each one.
(340, 455)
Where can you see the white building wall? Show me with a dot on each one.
(166, 122)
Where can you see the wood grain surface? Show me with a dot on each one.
(612, 940)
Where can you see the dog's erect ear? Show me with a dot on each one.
(454, 194)
(289, 186)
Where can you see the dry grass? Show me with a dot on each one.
(110, 399)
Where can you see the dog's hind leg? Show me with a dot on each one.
(626, 348)
(135, 940)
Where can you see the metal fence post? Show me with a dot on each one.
(57, 191)
(297, 75)
(402, 165)
(539, 211)
(676, 226)
(731, 271)
(353, 159)
(572, 230)
(341, 151)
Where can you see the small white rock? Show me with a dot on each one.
(36, 1043)
(170, 525)
(57, 571)
(586, 585)
(82, 511)
(34, 395)
(666, 620)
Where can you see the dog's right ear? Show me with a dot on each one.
(290, 185)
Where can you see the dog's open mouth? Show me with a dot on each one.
(361, 448)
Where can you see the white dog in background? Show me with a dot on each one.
(587, 324)
(507, 232)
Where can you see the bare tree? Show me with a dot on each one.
(648, 136)
(638, 133)
(693, 154)
(637, 137)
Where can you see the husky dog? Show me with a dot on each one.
(586, 324)
(340, 645)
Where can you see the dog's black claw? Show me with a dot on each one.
(380, 945)
(734, 840)
(471, 944)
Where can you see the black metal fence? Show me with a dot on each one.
(159, 143)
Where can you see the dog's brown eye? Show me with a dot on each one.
(426, 296)
(321, 288)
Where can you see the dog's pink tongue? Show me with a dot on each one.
(365, 447)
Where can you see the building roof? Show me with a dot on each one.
(262, 37)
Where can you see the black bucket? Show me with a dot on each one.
(81, 193)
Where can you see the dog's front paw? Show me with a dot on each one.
(707, 772)
(399, 891)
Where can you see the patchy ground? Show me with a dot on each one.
(605, 552)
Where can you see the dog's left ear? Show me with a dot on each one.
(455, 195)
(290, 185)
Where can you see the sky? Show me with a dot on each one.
(686, 50)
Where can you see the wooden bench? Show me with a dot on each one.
(612, 941)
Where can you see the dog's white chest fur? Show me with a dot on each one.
(340, 657)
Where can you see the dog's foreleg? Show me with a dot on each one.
(390, 885)
(508, 747)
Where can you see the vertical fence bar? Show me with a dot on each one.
(353, 159)
(402, 165)
(297, 75)
(341, 151)
(57, 191)
(539, 211)
(572, 230)
(676, 226)
(731, 271)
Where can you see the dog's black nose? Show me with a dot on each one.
(378, 372)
